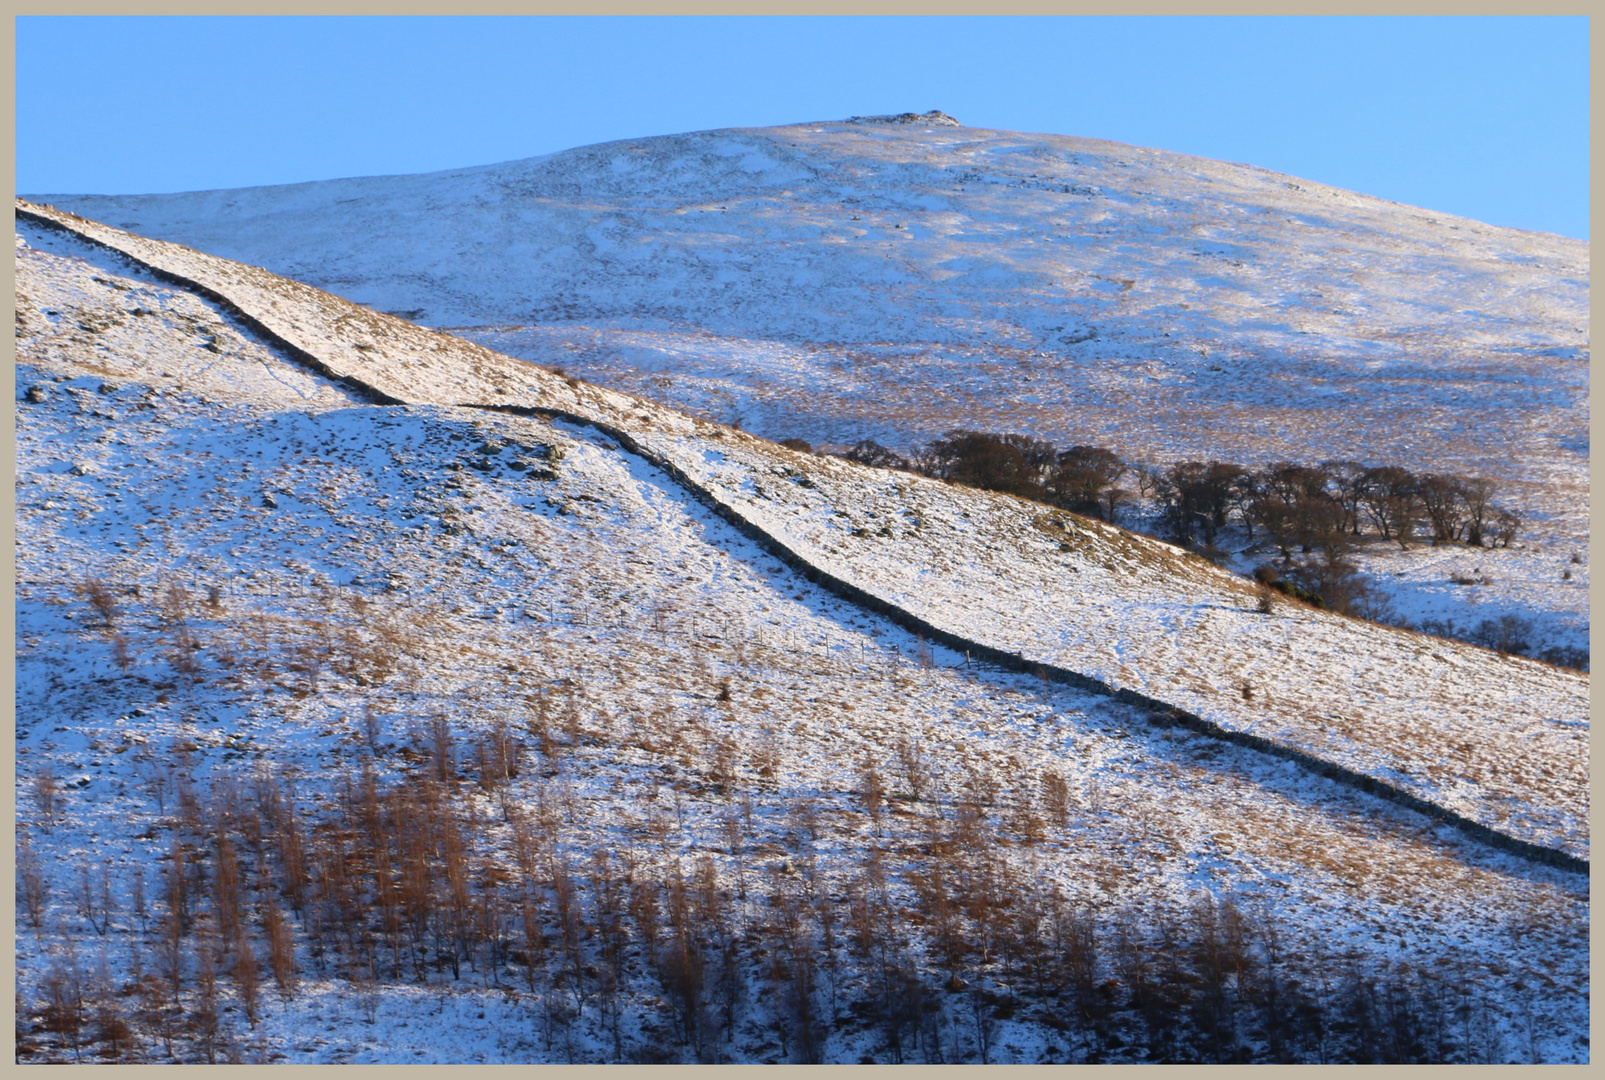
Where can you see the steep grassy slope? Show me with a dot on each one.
(678, 700)
(1500, 741)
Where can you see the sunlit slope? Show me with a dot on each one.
(161, 443)
(1502, 741)
(838, 280)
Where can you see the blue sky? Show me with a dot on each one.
(1486, 118)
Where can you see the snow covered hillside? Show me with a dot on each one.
(1427, 716)
(840, 281)
(359, 723)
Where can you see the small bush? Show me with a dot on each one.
(94, 590)
(33, 887)
(45, 790)
(1056, 798)
(871, 453)
(1288, 588)
(1509, 634)
(1566, 656)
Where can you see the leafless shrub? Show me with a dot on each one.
(94, 896)
(247, 976)
(367, 988)
(184, 656)
(804, 817)
(100, 599)
(111, 1027)
(309, 658)
(205, 1013)
(46, 788)
(730, 829)
(120, 654)
(226, 888)
(175, 604)
(766, 756)
(1056, 797)
(915, 768)
(33, 886)
(62, 1011)
(723, 771)
(1026, 822)
(441, 748)
(982, 784)
(1506, 524)
(572, 715)
(170, 949)
(136, 893)
(497, 756)
(158, 778)
(281, 948)
(1509, 634)
(372, 726)
(540, 726)
(871, 794)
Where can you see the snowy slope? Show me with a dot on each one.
(839, 281)
(162, 442)
(1501, 741)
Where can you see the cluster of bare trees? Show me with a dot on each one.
(1314, 514)
(1083, 478)
(916, 938)
(1298, 506)
(1313, 506)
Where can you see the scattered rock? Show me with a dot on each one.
(935, 116)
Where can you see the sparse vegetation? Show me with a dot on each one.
(1307, 507)
(406, 883)
(618, 794)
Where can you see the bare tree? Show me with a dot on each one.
(1443, 501)
(1476, 496)
(1388, 496)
